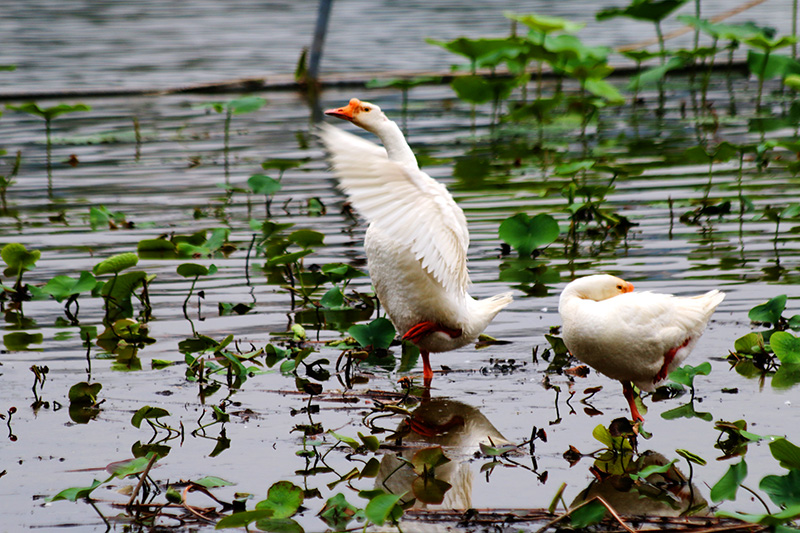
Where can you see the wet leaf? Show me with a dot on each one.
(243, 519)
(725, 488)
(283, 499)
(588, 515)
(147, 412)
(74, 493)
(544, 23)
(48, 113)
(428, 459)
(379, 333)
(192, 270)
(279, 525)
(130, 467)
(116, 263)
(769, 312)
(84, 393)
(649, 10)
(306, 238)
(786, 347)
(353, 443)
(61, 287)
(18, 258)
(787, 453)
(333, 299)
(766, 519)
(381, 506)
(526, 234)
(752, 343)
(246, 104)
(338, 512)
(691, 457)
(261, 184)
(649, 470)
(371, 442)
(685, 375)
(784, 491)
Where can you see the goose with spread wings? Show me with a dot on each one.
(417, 239)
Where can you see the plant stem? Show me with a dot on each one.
(761, 81)
(226, 147)
(661, 42)
(49, 160)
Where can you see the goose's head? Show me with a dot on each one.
(598, 287)
(362, 114)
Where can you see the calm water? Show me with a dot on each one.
(93, 44)
(173, 187)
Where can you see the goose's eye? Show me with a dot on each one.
(619, 287)
(365, 109)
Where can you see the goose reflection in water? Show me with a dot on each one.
(662, 494)
(455, 426)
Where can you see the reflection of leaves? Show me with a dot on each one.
(787, 376)
(686, 411)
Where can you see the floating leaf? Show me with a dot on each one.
(211, 482)
(691, 457)
(61, 287)
(380, 506)
(84, 393)
(147, 412)
(588, 515)
(526, 234)
(786, 347)
(685, 375)
(261, 184)
(283, 499)
(192, 270)
(74, 493)
(776, 519)
(246, 104)
(338, 512)
(379, 333)
(787, 453)
(769, 312)
(783, 490)
(428, 459)
(243, 519)
(725, 488)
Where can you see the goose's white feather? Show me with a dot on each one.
(627, 335)
(404, 203)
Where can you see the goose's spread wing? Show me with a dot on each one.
(407, 204)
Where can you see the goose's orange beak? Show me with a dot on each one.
(347, 112)
(628, 287)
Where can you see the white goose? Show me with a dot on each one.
(637, 337)
(417, 239)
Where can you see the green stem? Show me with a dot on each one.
(661, 47)
(761, 76)
(226, 147)
(49, 145)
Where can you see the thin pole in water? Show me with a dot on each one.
(319, 38)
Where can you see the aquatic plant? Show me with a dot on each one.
(48, 114)
(236, 106)
(7, 180)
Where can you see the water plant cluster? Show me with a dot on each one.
(552, 130)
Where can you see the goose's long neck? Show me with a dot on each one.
(395, 143)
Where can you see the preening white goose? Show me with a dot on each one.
(417, 239)
(637, 337)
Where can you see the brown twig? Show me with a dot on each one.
(142, 477)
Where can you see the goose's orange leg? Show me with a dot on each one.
(627, 391)
(418, 331)
(427, 371)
